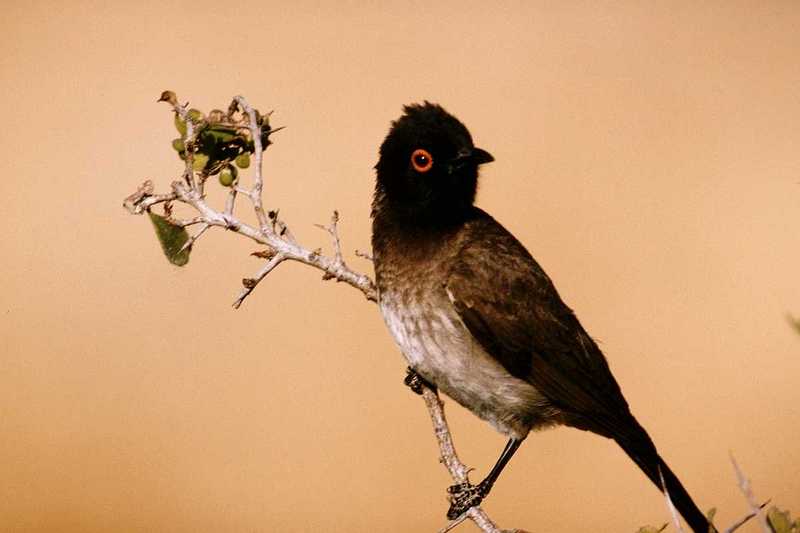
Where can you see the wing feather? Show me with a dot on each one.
(513, 310)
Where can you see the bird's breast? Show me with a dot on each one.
(439, 347)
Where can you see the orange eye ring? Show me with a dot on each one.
(421, 160)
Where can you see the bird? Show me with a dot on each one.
(478, 318)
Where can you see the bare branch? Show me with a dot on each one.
(194, 237)
(333, 231)
(258, 180)
(746, 519)
(482, 520)
(251, 283)
(131, 202)
(744, 486)
(140, 201)
(364, 255)
(287, 248)
(454, 523)
(279, 227)
(447, 450)
(186, 221)
(458, 471)
(240, 190)
(231, 201)
(189, 137)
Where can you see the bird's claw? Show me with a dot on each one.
(416, 382)
(464, 496)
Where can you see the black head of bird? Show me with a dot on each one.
(428, 165)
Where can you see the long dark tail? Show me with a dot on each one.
(641, 449)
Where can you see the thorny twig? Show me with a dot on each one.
(271, 231)
(742, 521)
(454, 523)
(258, 180)
(194, 237)
(744, 486)
(250, 283)
(458, 471)
(364, 255)
(281, 246)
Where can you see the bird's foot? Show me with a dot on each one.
(464, 496)
(415, 382)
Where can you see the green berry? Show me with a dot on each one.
(243, 160)
(195, 115)
(180, 125)
(200, 161)
(178, 145)
(226, 178)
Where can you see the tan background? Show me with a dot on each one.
(646, 154)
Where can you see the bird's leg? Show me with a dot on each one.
(466, 495)
(415, 382)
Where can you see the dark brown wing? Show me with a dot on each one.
(511, 307)
(513, 310)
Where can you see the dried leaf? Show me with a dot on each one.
(269, 253)
(172, 239)
(168, 96)
(131, 203)
(651, 529)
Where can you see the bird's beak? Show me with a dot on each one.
(472, 155)
(481, 156)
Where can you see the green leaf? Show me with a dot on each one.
(172, 239)
(780, 521)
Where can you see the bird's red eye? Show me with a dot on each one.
(421, 160)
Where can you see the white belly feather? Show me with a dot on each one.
(441, 349)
